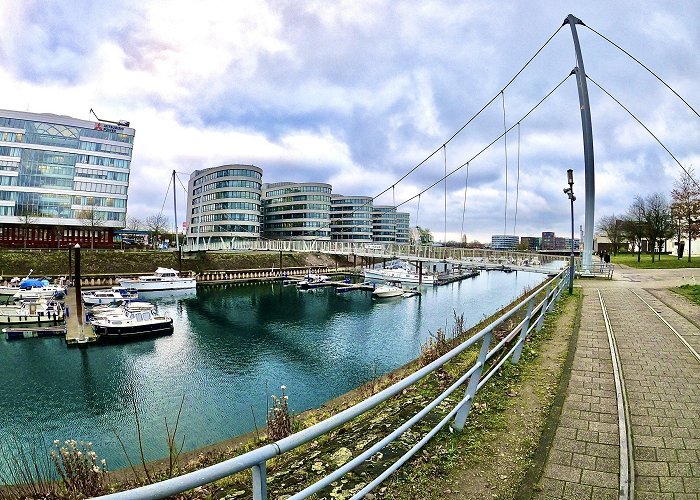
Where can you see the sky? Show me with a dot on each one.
(357, 93)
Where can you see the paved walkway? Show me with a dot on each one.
(661, 379)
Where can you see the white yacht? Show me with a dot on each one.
(401, 273)
(387, 291)
(113, 295)
(163, 279)
(41, 311)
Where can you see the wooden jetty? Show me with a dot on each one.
(33, 332)
(444, 279)
(78, 334)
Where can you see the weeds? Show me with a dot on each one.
(77, 466)
(279, 420)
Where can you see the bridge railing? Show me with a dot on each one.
(381, 250)
(474, 378)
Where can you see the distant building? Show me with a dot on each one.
(384, 224)
(297, 211)
(403, 224)
(531, 242)
(548, 241)
(223, 204)
(351, 218)
(504, 242)
(62, 180)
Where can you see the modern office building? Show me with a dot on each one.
(403, 223)
(504, 242)
(384, 224)
(62, 180)
(351, 218)
(224, 204)
(530, 242)
(297, 211)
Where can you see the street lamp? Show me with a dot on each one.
(570, 193)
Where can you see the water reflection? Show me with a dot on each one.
(231, 346)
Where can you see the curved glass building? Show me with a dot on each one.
(224, 204)
(351, 218)
(297, 211)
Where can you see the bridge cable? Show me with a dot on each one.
(464, 205)
(645, 128)
(422, 162)
(418, 210)
(505, 152)
(645, 67)
(444, 151)
(477, 113)
(167, 191)
(482, 150)
(517, 185)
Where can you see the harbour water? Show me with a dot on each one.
(233, 346)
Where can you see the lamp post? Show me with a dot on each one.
(570, 193)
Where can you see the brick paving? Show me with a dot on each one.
(662, 381)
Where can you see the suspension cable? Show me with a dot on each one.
(464, 205)
(517, 185)
(505, 152)
(444, 151)
(166, 197)
(643, 66)
(645, 128)
(482, 150)
(418, 210)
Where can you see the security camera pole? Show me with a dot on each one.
(570, 193)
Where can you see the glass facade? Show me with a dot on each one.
(56, 168)
(297, 211)
(384, 224)
(224, 204)
(403, 227)
(351, 218)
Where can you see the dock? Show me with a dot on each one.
(78, 334)
(14, 333)
(445, 279)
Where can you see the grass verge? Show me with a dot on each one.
(691, 292)
(666, 262)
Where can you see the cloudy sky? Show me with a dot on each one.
(356, 93)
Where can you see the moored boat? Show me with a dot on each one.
(40, 311)
(132, 324)
(389, 290)
(116, 294)
(399, 273)
(163, 279)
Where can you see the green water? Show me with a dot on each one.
(232, 347)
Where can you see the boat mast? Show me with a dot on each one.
(177, 239)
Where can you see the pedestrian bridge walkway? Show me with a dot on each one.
(473, 257)
(630, 422)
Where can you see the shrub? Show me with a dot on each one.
(279, 420)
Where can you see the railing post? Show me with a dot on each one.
(543, 311)
(523, 332)
(259, 481)
(463, 412)
(553, 301)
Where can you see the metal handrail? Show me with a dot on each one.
(256, 459)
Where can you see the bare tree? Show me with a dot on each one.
(659, 224)
(26, 220)
(92, 219)
(612, 226)
(157, 224)
(134, 224)
(633, 227)
(685, 204)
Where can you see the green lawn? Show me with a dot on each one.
(691, 292)
(667, 261)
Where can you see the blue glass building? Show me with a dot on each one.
(62, 180)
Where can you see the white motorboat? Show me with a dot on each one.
(400, 273)
(132, 324)
(40, 311)
(163, 279)
(387, 291)
(104, 310)
(33, 289)
(116, 294)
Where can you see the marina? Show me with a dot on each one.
(232, 346)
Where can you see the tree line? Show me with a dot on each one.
(654, 220)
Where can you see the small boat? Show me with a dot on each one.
(40, 311)
(313, 281)
(132, 324)
(389, 290)
(163, 279)
(115, 294)
(105, 310)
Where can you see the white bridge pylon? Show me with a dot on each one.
(471, 257)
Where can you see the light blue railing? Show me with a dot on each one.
(256, 459)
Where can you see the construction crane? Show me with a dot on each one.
(121, 123)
